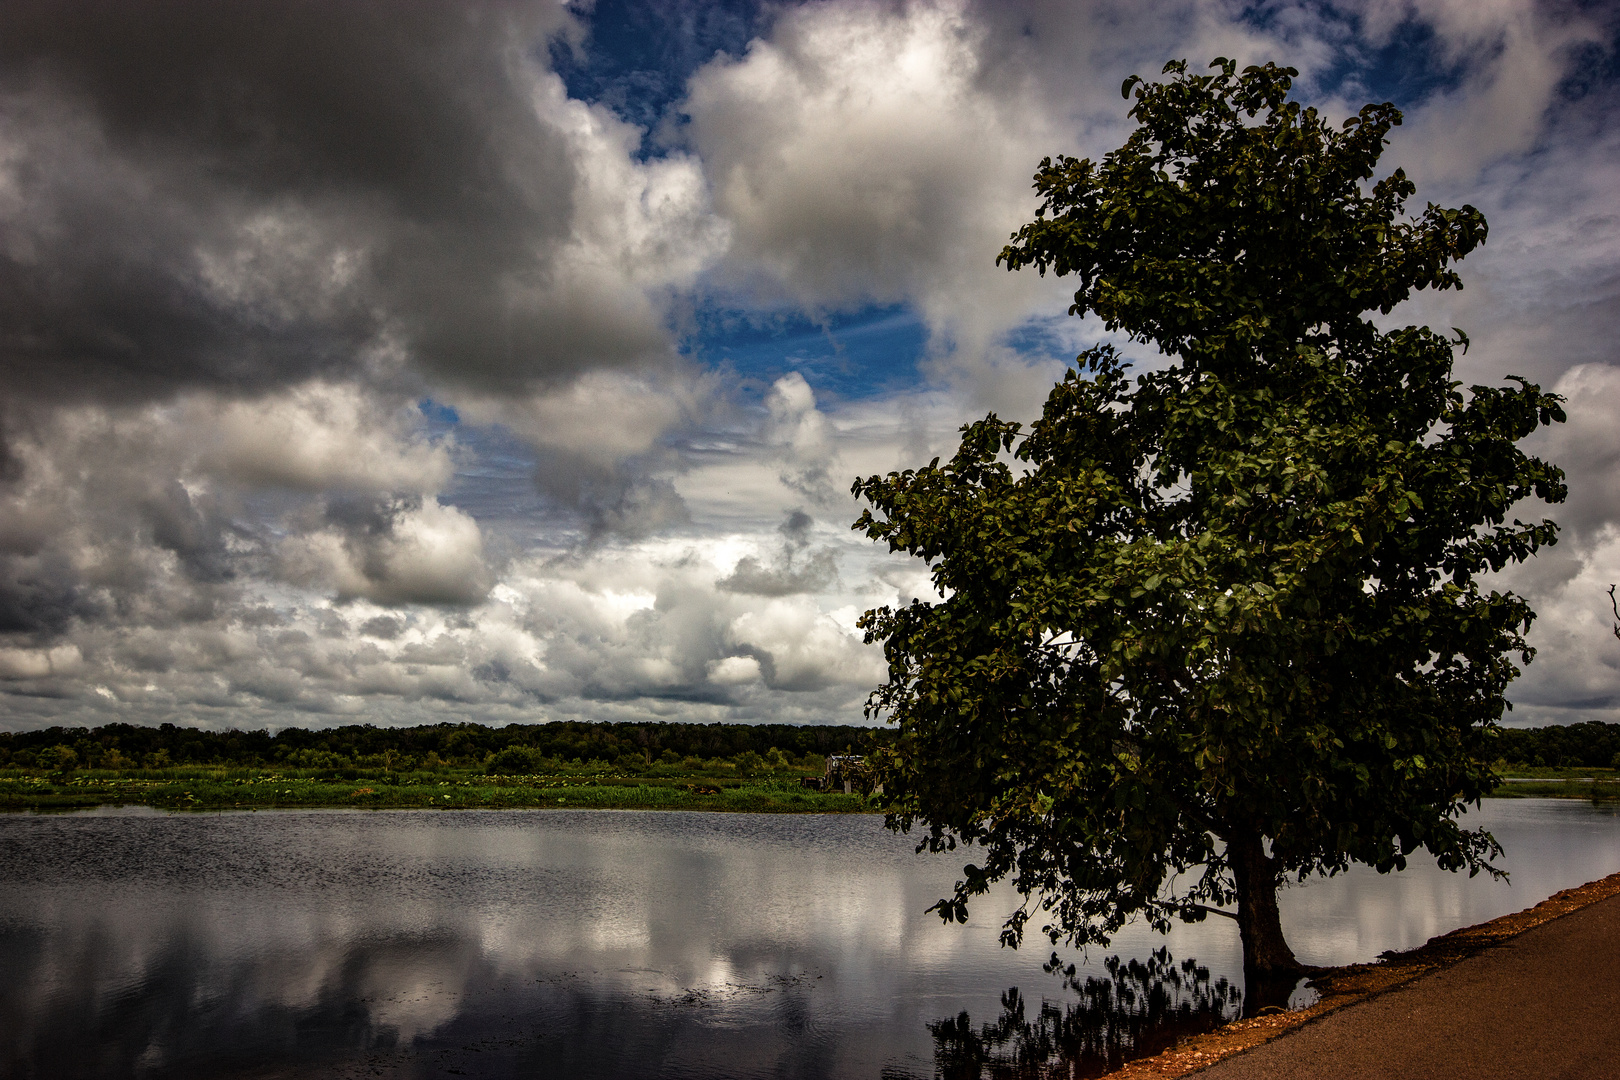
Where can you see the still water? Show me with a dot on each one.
(608, 944)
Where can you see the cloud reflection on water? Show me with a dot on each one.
(325, 936)
(593, 944)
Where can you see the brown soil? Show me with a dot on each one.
(1347, 985)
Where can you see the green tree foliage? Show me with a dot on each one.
(1222, 623)
(116, 745)
(1592, 744)
(515, 760)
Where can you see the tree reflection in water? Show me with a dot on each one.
(1142, 1007)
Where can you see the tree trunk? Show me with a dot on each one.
(1265, 951)
(1270, 971)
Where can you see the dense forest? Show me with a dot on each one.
(1592, 745)
(518, 747)
(515, 748)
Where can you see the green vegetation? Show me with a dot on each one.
(1599, 785)
(1588, 746)
(1224, 622)
(631, 749)
(537, 765)
(620, 766)
(1572, 761)
(226, 789)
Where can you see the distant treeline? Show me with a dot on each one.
(1589, 745)
(1592, 745)
(124, 746)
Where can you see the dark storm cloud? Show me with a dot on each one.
(194, 535)
(795, 528)
(383, 627)
(793, 571)
(39, 594)
(236, 195)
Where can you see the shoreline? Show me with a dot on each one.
(248, 788)
(1344, 986)
(234, 789)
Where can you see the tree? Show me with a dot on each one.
(1222, 624)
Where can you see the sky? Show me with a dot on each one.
(414, 361)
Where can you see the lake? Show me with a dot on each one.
(606, 944)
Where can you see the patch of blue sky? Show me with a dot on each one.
(860, 354)
(438, 417)
(1409, 65)
(639, 54)
(1044, 338)
(1408, 69)
(1405, 66)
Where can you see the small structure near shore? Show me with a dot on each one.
(847, 772)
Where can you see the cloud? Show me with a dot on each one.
(402, 552)
(318, 437)
(1585, 447)
(624, 629)
(383, 627)
(1513, 55)
(793, 570)
(244, 195)
(734, 671)
(800, 439)
(755, 578)
(806, 648)
(599, 417)
(882, 153)
(1576, 673)
(1543, 294)
(836, 152)
(39, 663)
(159, 511)
(98, 524)
(342, 357)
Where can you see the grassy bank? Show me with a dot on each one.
(241, 789)
(238, 788)
(1600, 785)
